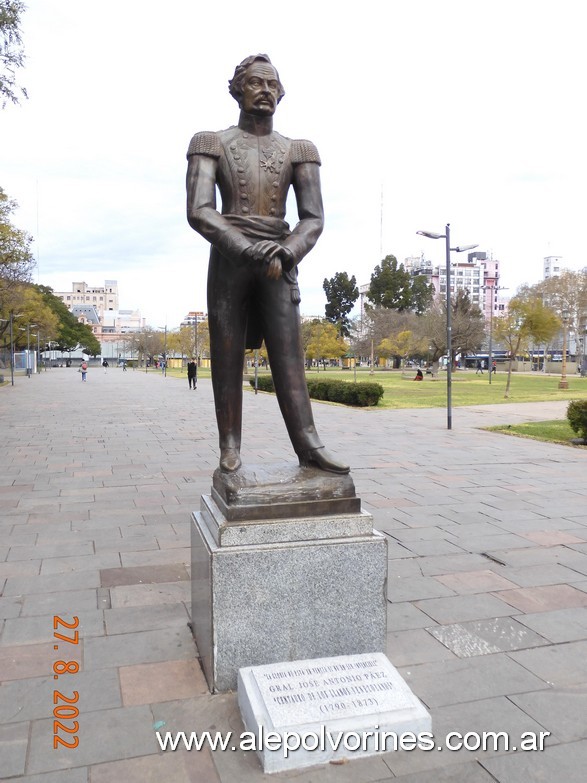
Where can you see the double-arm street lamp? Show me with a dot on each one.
(493, 289)
(460, 249)
(563, 383)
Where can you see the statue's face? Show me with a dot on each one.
(260, 89)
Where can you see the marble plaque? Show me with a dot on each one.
(326, 709)
(317, 690)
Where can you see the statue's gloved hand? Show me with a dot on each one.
(275, 257)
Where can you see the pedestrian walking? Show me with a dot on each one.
(83, 368)
(105, 365)
(193, 373)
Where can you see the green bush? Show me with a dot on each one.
(357, 394)
(264, 383)
(577, 416)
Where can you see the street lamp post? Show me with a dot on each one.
(563, 383)
(460, 249)
(164, 351)
(493, 289)
(28, 347)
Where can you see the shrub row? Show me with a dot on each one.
(577, 416)
(359, 394)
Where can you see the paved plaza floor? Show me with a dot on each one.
(487, 612)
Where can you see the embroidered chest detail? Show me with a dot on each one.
(258, 167)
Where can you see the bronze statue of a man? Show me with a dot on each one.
(252, 276)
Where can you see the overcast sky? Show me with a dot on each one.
(457, 111)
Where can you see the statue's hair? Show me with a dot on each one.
(235, 85)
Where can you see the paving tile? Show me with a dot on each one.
(133, 575)
(158, 557)
(39, 628)
(469, 772)
(414, 588)
(560, 666)
(561, 711)
(482, 581)
(432, 548)
(77, 775)
(19, 568)
(165, 681)
(453, 682)
(32, 660)
(142, 647)
(10, 607)
(105, 735)
(483, 637)
(177, 767)
(537, 575)
(559, 762)
(62, 565)
(405, 616)
(561, 625)
(415, 646)
(544, 599)
(552, 537)
(13, 747)
(461, 608)
(145, 618)
(151, 594)
(75, 580)
(40, 551)
(69, 601)
(32, 698)
(450, 564)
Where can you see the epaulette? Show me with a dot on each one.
(205, 143)
(303, 151)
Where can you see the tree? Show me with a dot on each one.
(11, 51)
(467, 327)
(394, 288)
(566, 295)
(379, 324)
(16, 259)
(402, 345)
(422, 294)
(324, 341)
(527, 320)
(390, 286)
(341, 293)
(34, 312)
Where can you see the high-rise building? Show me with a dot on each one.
(552, 266)
(103, 298)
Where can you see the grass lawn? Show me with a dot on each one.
(557, 431)
(467, 387)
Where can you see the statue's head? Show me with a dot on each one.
(255, 65)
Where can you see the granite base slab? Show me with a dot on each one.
(256, 604)
(310, 712)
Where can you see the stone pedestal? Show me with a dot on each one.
(272, 581)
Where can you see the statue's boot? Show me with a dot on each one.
(320, 458)
(230, 460)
